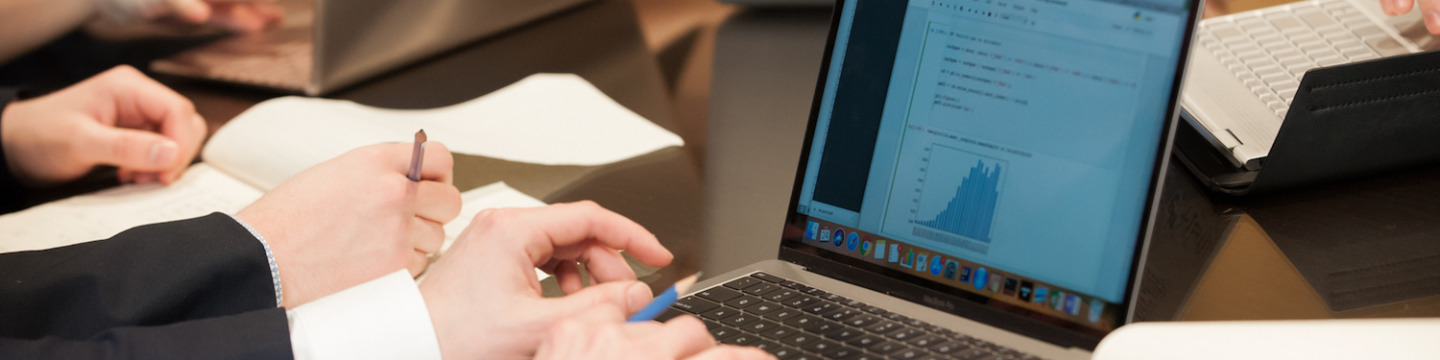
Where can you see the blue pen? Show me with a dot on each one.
(665, 299)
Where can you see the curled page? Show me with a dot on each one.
(547, 119)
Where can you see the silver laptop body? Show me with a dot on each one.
(324, 45)
(978, 180)
(1248, 65)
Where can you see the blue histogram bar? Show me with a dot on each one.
(971, 212)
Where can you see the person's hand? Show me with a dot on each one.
(355, 218)
(1429, 11)
(234, 15)
(119, 118)
(485, 300)
(603, 334)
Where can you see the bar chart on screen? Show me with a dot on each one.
(956, 196)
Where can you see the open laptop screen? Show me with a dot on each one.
(1004, 147)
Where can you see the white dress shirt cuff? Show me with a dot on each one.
(385, 318)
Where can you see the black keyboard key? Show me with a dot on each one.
(800, 302)
(897, 317)
(742, 340)
(886, 347)
(950, 347)
(813, 291)
(694, 305)
(904, 334)
(865, 341)
(822, 308)
(862, 321)
(762, 308)
(793, 285)
(842, 315)
(780, 332)
(868, 357)
(761, 289)
(874, 310)
(925, 341)
(741, 320)
(742, 283)
(834, 298)
(723, 332)
(766, 345)
(827, 328)
(799, 339)
(821, 346)
(719, 294)
(883, 327)
(720, 313)
(766, 277)
(806, 322)
(797, 355)
(933, 356)
(760, 326)
(741, 302)
(845, 333)
(915, 322)
(907, 354)
(934, 329)
(669, 313)
(842, 352)
(781, 295)
(783, 351)
(782, 314)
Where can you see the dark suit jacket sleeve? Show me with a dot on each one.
(261, 334)
(149, 281)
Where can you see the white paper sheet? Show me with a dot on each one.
(548, 119)
(200, 191)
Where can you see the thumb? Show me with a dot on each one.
(130, 149)
(628, 295)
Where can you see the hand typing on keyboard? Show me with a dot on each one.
(1429, 10)
(603, 334)
(483, 295)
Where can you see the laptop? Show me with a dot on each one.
(324, 45)
(978, 180)
(1250, 64)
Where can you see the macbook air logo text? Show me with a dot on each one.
(938, 302)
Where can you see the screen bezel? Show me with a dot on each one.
(973, 306)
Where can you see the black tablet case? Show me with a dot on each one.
(1346, 121)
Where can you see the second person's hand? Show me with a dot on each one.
(1429, 11)
(483, 296)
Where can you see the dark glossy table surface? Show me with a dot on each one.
(718, 203)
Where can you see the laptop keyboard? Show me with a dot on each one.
(794, 321)
(1270, 49)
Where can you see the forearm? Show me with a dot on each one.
(29, 24)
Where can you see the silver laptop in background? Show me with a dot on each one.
(1248, 65)
(324, 45)
(978, 180)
